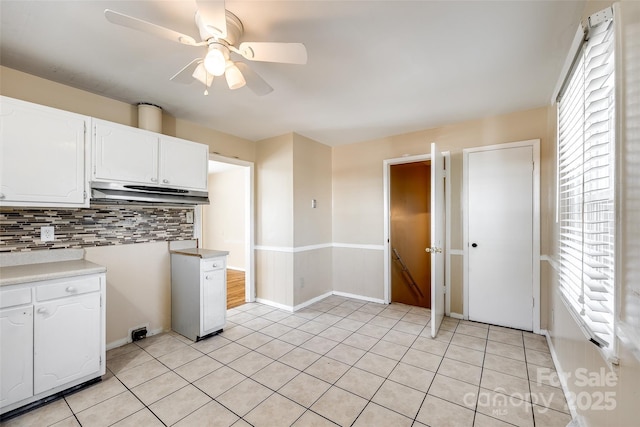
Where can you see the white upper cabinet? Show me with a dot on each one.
(42, 155)
(136, 156)
(123, 153)
(183, 163)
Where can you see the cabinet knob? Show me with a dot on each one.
(214, 265)
(70, 289)
(166, 181)
(154, 179)
(42, 310)
(207, 277)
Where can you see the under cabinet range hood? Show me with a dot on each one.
(112, 193)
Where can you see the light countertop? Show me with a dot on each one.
(202, 253)
(25, 273)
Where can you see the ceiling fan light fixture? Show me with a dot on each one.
(235, 79)
(216, 61)
(201, 74)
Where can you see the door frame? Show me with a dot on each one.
(535, 144)
(249, 221)
(386, 172)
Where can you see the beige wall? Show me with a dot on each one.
(223, 221)
(358, 189)
(290, 171)
(312, 226)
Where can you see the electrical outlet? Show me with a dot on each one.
(189, 217)
(47, 234)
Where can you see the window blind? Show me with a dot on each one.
(586, 161)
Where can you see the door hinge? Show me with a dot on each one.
(444, 173)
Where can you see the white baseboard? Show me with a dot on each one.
(360, 297)
(230, 267)
(571, 403)
(315, 300)
(127, 340)
(456, 316)
(275, 304)
(312, 301)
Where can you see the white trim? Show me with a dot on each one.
(573, 51)
(249, 221)
(358, 246)
(447, 232)
(230, 267)
(293, 309)
(312, 301)
(562, 376)
(456, 316)
(291, 249)
(386, 168)
(535, 144)
(459, 252)
(275, 304)
(127, 340)
(360, 297)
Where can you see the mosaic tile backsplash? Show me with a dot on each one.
(95, 226)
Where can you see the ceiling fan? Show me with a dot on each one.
(220, 31)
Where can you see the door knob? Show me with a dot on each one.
(433, 250)
(474, 245)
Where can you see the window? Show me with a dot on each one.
(586, 193)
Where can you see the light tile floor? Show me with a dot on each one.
(338, 362)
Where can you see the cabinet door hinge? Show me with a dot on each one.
(85, 195)
(533, 302)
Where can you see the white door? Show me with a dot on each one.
(500, 188)
(183, 163)
(437, 238)
(41, 155)
(67, 336)
(123, 153)
(214, 301)
(16, 354)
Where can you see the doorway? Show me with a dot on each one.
(410, 234)
(502, 235)
(227, 224)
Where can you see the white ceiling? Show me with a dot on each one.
(376, 68)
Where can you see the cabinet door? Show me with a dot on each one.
(41, 155)
(16, 354)
(183, 163)
(214, 300)
(125, 154)
(67, 334)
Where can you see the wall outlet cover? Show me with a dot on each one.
(47, 234)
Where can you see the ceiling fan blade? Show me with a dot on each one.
(287, 53)
(185, 75)
(147, 27)
(214, 17)
(254, 81)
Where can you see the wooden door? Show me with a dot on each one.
(410, 233)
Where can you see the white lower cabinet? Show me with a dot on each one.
(198, 292)
(66, 343)
(16, 354)
(54, 342)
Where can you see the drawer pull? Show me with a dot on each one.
(42, 310)
(71, 289)
(207, 277)
(166, 181)
(215, 265)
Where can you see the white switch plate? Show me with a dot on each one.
(47, 234)
(189, 217)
